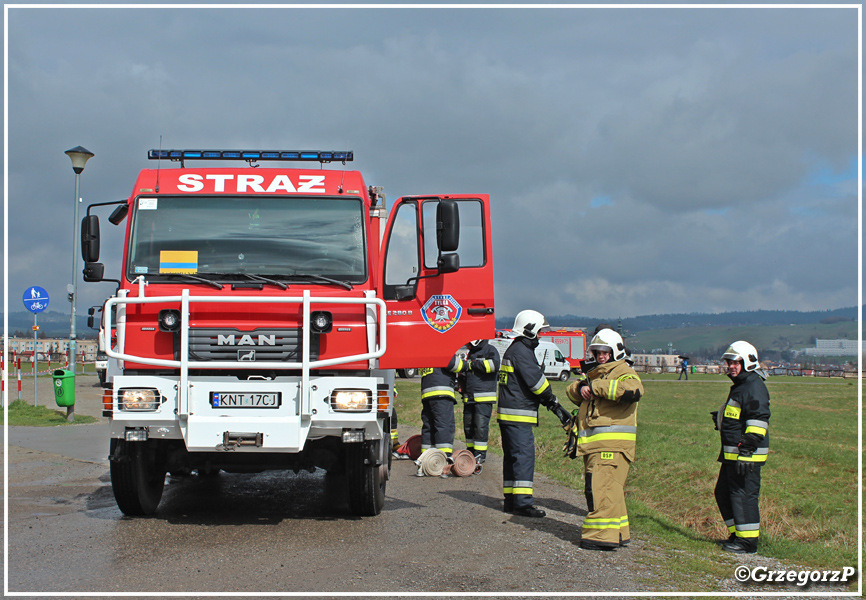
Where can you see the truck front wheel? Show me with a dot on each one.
(136, 478)
(365, 480)
(564, 376)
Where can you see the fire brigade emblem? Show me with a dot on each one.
(442, 312)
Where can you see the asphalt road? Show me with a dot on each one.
(282, 533)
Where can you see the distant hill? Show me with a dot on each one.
(680, 320)
(776, 342)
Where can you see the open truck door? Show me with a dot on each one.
(437, 279)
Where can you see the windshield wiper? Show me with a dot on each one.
(321, 278)
(279, 284)
(210, 282)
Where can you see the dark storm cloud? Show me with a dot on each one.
(639, 160)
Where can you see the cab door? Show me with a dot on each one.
(438, 289)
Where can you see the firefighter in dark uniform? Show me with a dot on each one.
(742, 422)
(438, 397)
(522, 387)
(481, 373)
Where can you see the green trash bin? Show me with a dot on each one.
(64, 387)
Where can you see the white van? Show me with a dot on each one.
(548, 355)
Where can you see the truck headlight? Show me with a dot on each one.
(351, 400)
(138, 399)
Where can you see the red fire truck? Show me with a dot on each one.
(571, 341)
(261, 314)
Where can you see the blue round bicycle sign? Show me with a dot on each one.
(35, 299)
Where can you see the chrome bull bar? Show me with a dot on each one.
(376, 330)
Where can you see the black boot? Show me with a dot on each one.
(529, 511)
(741, 546)
(588, 545)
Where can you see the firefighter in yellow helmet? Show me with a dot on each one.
(606, 427)
(742, 422)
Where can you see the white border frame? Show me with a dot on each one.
(823, 594)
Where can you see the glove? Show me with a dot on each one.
(630, 397)
(715, 415)
(748, 444)
(562, 414)
(744, 466)
(570, 447)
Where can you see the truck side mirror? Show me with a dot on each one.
(119, 213)
(90, 238)
(447, 226)
(448, 263)
(93, 271)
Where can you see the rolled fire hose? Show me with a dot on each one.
(412, 447)
(431, 463)
(464, 464)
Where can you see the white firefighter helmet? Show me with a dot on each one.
(529, 322)
(743, 351)
(610, 340)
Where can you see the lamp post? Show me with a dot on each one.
(79, 156)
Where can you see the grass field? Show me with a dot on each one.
(809, 485)
(22, 413)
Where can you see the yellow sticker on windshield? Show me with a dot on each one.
(178, 261)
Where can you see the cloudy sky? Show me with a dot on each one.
(639, 160)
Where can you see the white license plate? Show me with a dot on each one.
(245, 400)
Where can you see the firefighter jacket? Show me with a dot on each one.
(747, 410)
(440, 381)
(608, 420)
(482, 372)
(522, 385)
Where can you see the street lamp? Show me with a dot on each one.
(79, 156)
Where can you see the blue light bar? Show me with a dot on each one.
(252, 155)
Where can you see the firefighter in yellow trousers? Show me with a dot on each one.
(604, 433)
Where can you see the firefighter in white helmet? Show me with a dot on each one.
(742, 422)
(522, 387)
(605, 432)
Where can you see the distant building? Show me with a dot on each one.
(842, 347)
(656, 360)
(50, 347)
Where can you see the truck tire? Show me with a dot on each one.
(136, 479)
(365, 481)
(101, 378)
(564, 376)
(407, 373)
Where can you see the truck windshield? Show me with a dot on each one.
(230, 236)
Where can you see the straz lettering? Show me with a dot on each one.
(259, 184)
(246, 340)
